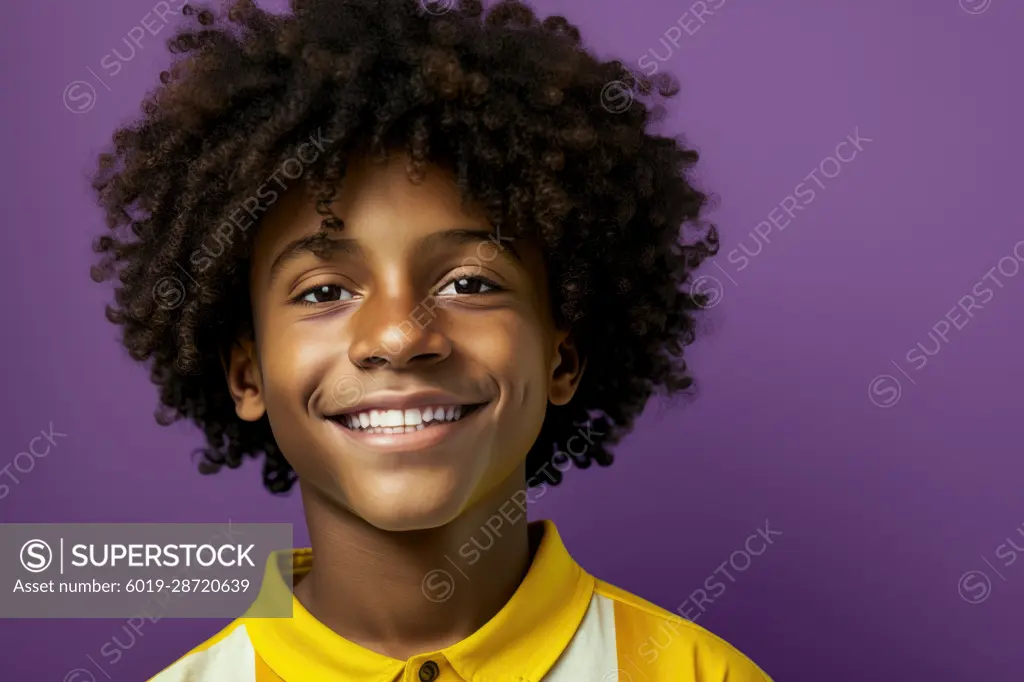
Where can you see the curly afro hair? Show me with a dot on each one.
(552, 142)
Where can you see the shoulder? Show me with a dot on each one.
(228, 656)
(655, 644)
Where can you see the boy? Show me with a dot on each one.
(410, 255)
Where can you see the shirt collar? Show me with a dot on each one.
(522, 641)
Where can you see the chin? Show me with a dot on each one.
(410, 501)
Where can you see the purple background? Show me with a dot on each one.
(882, 510)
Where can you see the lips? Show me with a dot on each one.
(405, 414)
(407, 429)
(407, 420)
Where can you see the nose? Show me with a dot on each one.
(398, 331)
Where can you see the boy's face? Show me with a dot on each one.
(405, 366)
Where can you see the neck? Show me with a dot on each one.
(411, 592)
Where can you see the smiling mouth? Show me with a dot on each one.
(410, 420)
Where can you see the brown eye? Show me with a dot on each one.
(461, 286)
(325, 293)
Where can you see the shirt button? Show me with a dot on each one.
(428, 672)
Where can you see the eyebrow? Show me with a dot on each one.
(321, 245)
(324, 246)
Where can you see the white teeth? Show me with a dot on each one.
(401, 421)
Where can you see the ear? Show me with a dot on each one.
(566, 369)
(245, 381)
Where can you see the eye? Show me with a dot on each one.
(466, 285)
(325, 293)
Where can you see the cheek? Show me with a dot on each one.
(294, 363)
(519, 355)
(514, 352)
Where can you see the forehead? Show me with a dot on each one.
(378, 204)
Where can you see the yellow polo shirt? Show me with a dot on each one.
(561, 625)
